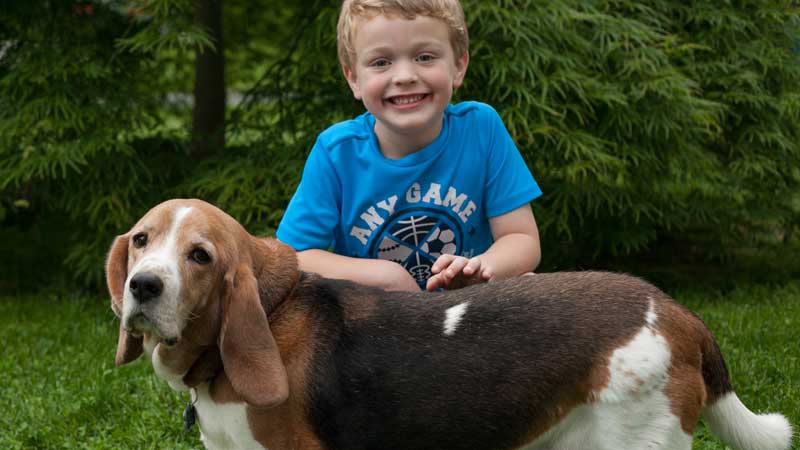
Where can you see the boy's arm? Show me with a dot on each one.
(380, 273)
(515, 251)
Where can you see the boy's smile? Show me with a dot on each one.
(403, 101)
(405, 72)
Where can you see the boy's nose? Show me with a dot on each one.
(404, 73)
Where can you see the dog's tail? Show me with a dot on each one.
(729, 419)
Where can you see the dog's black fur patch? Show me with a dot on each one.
(396, 381)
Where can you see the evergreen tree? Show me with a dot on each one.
(647, 123)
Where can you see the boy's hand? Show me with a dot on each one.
(455, 272)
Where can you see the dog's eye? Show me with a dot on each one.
(200, 256)
(140, 240)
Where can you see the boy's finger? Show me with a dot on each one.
(434, 282)
(441, 263)
(473, 266)
(458, 265)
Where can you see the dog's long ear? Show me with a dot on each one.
(129, 347)
(249, 353)
(117, 271)
(277, 270)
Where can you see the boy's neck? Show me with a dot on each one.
(393, 145)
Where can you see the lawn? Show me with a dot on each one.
(61, 390)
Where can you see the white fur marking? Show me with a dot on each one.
(453, 317)
(631, 412)
(165, 256)
(651, 315)
(175, 380)
(738, 427)
(636, 424)
(224, 426)
(638, 368)
(162, 261)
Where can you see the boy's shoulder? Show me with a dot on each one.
(347, 131)
(471, 108)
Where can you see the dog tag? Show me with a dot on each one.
(189, 417)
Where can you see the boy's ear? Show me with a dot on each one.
(352, 81)
(461, 70)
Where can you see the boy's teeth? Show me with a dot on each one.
(406, 100)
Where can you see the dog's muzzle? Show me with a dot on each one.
(145, 286)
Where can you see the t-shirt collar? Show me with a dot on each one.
(420, 156)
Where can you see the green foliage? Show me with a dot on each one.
(646, 121)
(81, 134)
(649, 125)
(168, 26)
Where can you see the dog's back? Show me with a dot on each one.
(498, 365)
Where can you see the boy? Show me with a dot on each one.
(415, 193)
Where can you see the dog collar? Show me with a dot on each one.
(190, 413)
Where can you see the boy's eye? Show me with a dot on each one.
(425, 57)
(379, 63)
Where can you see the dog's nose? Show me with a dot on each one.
(145, 286)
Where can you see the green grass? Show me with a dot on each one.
(758, 329)
(60, 388)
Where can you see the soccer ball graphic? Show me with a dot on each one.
(440, 242)
(415, 240)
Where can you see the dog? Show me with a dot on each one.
(282, 359)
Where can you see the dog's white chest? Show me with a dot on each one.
(224, 425)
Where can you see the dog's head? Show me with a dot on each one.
(188, 278)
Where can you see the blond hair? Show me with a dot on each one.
(448, 11)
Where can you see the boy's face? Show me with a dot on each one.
(405, 72)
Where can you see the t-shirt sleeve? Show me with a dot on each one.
(510, 183)
(313, 212)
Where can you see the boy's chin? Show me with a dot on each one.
(410, 125)
(412, 120)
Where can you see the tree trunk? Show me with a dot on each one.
(208, 121)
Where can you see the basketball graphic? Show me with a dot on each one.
(415, 239)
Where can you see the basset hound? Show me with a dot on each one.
(280, 359)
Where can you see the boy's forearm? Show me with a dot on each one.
(512, 255)
(379, 273)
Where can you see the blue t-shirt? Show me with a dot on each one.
(410, 210)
